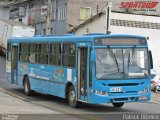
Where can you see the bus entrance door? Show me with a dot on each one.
(14, 65)
(82, 73)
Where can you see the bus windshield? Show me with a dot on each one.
(121, 63)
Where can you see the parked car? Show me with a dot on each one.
(155, 82)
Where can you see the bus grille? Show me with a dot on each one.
(123, 99)
(124, 84)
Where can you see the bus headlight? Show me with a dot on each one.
(147, 89)
(100, 92)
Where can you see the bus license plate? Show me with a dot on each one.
(115, 89)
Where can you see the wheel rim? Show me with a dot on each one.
(72, 97)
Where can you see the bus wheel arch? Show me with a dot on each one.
(69, 84)
(71, 95)
(27, 87)
(24, 78)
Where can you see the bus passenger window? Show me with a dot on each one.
(55, 54)
(32, 53)
(23, 52)
(43, 53)
(68, 55)
(8, 52)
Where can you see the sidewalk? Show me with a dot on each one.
(12, 108)
(155, 97)
(12, 105)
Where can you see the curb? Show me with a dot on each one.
(12, 94)
(155, 102)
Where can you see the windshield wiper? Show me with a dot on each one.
(129, 56)
(113, 56)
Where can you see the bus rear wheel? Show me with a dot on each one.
(118, 105)
(27, 87)
(72, 97)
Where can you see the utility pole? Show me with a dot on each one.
(108, 12)
(48, 18)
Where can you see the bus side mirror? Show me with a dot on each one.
(93, 56)
(150, 60)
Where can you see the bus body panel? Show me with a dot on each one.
(48, 79)
(129, 92)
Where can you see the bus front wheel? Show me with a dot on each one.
(118, 105)
(27, 88)
(72, 97)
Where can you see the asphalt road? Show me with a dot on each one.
(86, 111)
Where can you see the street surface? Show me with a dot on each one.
(56, 105)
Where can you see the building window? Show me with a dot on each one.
(54, 14)
(53, 10)
(62, 13)
(50, 30)
(20, 20)
(69, 55)
(17, 12)
(43, 31)
(85, 13)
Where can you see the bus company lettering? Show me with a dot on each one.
(138, 4)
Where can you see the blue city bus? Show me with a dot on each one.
(93, 68)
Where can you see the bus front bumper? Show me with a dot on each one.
(96, 98)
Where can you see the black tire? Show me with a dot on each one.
(27, 87)
(155, 89)
(118, 105)
(72, 98)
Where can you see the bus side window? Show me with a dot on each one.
(68, 55)
(32, 52)
(8, 52)
(43, 53)
(55, 54)
(23, 52)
